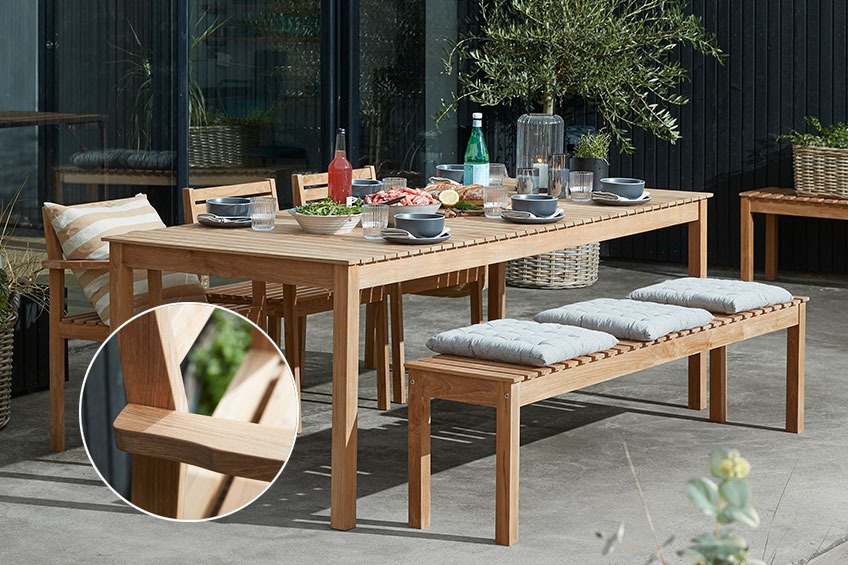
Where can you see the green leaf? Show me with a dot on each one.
(704, 494)
(728, 544)
(746, 515)
(735, 492)
(716, 458)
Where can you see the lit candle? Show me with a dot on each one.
(543, 173)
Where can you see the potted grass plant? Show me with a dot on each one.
(591, 153)
(19, 267)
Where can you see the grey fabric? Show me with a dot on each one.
(627, 319)
(715, 295)
(521, 341)
(123, 159)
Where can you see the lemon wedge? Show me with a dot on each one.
(449, 198)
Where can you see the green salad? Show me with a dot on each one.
(326, 207)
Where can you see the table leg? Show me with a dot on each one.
(746, 231)
(345, 397)
(698, 268)
(120, 287)
(497, 291)
(771, 247)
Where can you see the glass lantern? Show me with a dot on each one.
(538, 137)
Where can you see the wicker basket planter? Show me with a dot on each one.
(820, 171)
(221, 146)
(7, 345)
(574, 267)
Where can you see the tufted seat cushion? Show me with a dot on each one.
(716, 295)
(627, 319)
(521, 341)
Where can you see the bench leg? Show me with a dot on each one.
(718, 384)
(419, 456)
(795, 347)
(746, 229)
(771, 247)
(506, 482)
(697, 381)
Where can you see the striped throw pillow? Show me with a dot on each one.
(81, 230)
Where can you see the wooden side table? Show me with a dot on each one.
(774, 202)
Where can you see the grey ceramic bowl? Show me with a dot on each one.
(623, 187)
(539, 204)
(453, 172)
(421, 225)
(363, 187)
(229, 206)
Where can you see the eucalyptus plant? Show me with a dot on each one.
(725, 497)
(617, 55)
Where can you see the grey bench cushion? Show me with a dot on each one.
(627, 319)
(521, 341)
(716, 295)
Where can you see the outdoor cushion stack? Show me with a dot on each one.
(587, 327)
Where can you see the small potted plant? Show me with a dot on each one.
(591, 153)
(820, 160)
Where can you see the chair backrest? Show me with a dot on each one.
(54, 247)
(194, 199)
(314, 187)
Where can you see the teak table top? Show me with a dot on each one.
(348, 263)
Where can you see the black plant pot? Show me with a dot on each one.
(599, 167)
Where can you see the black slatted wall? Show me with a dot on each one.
(786, 59)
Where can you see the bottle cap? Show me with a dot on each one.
(340, 130)
(477, 116)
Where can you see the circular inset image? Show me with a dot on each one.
(189, 411)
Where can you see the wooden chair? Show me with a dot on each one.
(469, 282)
(308, 300)
(191, 466)
(86, 326)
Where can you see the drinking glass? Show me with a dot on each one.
(374, 218)
(497, 174)
(527, 181)
(398, 182)
(494, 200)
(262, 212)
(559, 175)
(580, 185)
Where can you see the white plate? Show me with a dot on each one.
(559, 215)
(646, 197)
(211, 221)
(416, 240)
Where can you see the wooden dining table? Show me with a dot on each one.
(348, 263)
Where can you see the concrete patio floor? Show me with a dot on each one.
(574, 477)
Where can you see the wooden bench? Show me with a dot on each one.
(774, 202)
(507, 387)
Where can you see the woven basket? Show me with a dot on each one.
(820, 171)
(221, 146)
(574, 267)
(7, 344)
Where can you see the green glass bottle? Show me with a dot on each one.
(476, 154)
